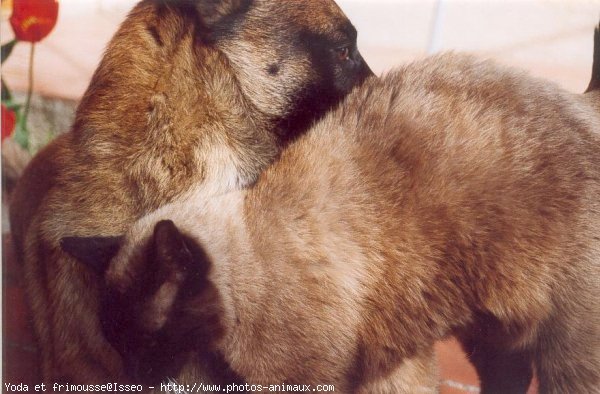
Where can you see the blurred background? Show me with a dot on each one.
(550, 39)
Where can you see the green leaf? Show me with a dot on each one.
(6, 95)
(7, 49)
(21, 134)
(13, 106)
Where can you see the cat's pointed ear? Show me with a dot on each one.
(177, 255)
(94, 252)
(170, 249)
(169, 260)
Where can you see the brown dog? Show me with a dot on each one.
(189, 92)
(451, 197)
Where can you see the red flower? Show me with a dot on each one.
(32, 20)
(9, 119)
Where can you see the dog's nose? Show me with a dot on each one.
(364, 71)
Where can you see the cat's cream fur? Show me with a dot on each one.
(452, 196)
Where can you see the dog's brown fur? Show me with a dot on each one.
(189, 92)
(451, 197)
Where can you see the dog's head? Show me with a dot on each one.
(289, 60)
(160, 306)
(293, 59)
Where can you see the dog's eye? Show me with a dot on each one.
(343, 53)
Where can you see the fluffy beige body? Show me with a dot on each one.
(452, 196)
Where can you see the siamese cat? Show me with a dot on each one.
(452, 196)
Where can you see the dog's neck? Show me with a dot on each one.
(170, 113)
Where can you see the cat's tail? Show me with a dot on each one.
(595, 81)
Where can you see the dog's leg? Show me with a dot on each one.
(73, 349)
(37, 297)
(500, 371)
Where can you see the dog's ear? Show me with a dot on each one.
(95, 252)
(213, 12)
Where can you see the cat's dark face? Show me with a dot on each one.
(163, 310)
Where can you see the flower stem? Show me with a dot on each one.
(25, 137)
(30, 88)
